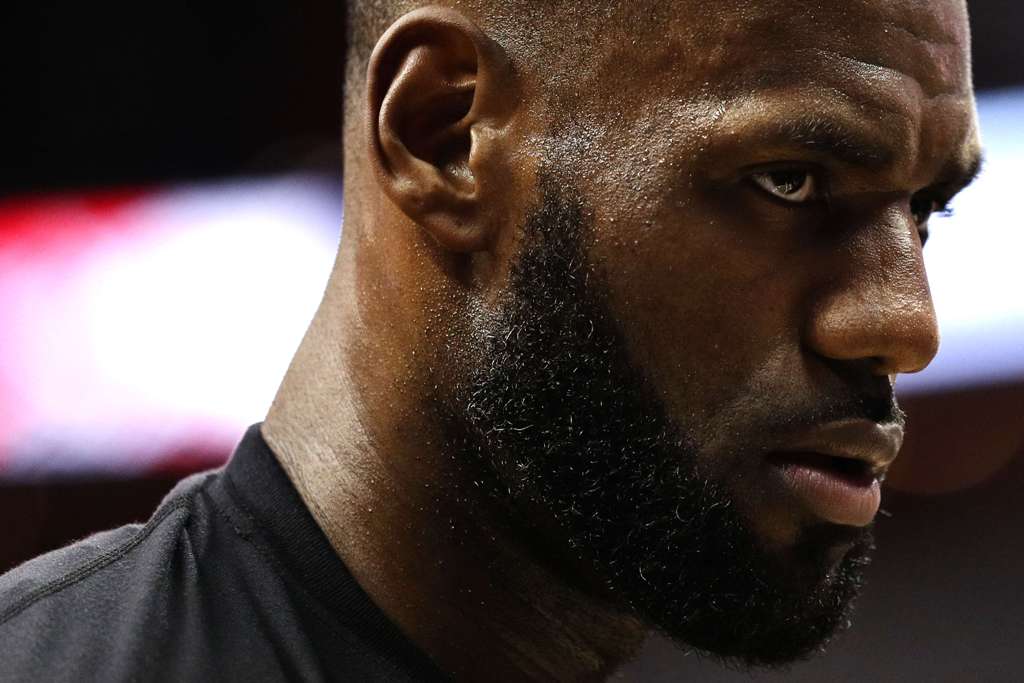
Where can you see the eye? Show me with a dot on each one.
(791, 185)
(923, 205)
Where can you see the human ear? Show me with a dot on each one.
(438, 95)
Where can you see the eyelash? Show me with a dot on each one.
(815, 176)
(939, 205)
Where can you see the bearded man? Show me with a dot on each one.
(609, 346)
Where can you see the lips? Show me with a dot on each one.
(834, 471)
(852, 471)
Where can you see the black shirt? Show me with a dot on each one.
(230, 580)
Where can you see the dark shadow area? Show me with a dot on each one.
(122, 93)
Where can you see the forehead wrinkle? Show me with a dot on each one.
(930, 26)
(877, 78)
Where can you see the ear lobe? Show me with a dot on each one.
(429, 83)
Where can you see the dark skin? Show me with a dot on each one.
(806, 293)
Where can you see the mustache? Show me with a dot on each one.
(882, 408)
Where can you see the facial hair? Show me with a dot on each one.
(581, 451)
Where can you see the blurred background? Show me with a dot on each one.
(170, 201)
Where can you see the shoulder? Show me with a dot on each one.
(64, 605)
(76, 567)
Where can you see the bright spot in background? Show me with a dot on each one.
(157, 324)
(138, 329)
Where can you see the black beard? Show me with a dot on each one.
(583, 453)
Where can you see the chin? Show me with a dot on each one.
(785, 606)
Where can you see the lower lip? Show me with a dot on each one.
(832, 496)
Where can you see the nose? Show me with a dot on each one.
(877, 306)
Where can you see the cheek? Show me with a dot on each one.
(710, 300)
(709, 313)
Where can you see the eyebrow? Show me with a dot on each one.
(826, 135)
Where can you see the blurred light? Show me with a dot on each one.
(140, 326)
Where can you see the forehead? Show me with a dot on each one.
(897, 70)
(732, 43)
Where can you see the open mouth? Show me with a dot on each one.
(833, 488)
(850, 470)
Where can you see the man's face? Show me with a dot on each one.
(690, 374)
(759, 194)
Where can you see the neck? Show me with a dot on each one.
(373, 472)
